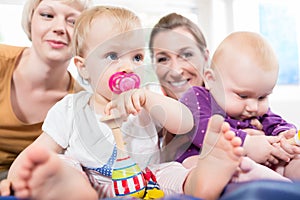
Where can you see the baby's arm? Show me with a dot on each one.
(172, 114)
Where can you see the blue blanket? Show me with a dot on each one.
(258, 190)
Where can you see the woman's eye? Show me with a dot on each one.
(46, 15)
(139, 58)
(71, 21)
(112, 56)
(162, 59)
(186, 55)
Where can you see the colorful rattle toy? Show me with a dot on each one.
(127, 177)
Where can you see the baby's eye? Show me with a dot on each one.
(139, 58)
(112, 56)
(243, 96)
(262, 98)
(46, 15)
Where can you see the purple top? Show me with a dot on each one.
(203, 106)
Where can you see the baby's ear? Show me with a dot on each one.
(81, 68)
(209, 77)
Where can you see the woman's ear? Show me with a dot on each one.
(81, 68)
(206, 55)
(209, 78)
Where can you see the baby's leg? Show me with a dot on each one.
(250, 170)
(190, 162)
(291, 170)
(44, 175)
(218, 161)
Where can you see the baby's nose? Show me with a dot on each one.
(252, 105)
(126, 67)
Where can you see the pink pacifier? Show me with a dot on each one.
(121, 81)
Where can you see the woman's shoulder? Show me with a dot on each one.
(9, 51)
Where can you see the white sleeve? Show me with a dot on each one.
(59, 121)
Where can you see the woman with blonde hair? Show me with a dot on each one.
(33, 79)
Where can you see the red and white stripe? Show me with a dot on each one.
(129, 185)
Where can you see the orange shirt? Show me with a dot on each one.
(14, 134)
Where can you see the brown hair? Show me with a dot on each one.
(174, 20)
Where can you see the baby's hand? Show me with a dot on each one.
(129, 102)
(255, 122)
(286, 144)
(260, 148)
(5, 187)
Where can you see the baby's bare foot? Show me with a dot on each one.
(218, 161)
(45, 176)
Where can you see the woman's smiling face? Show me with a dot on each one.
(179, 61)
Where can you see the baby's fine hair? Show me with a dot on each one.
(124, 19)
(31, 5)
(251, 44)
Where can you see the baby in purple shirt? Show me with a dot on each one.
(243, 73)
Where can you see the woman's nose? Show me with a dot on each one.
(176, 67)
(59, 26)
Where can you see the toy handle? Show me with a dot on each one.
(115, 122)
(119, 142)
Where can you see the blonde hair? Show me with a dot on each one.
(125, 20)
(31, 5)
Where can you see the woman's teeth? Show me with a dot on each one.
(178, 83)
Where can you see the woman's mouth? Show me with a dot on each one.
(179, 83)
(56, 44)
